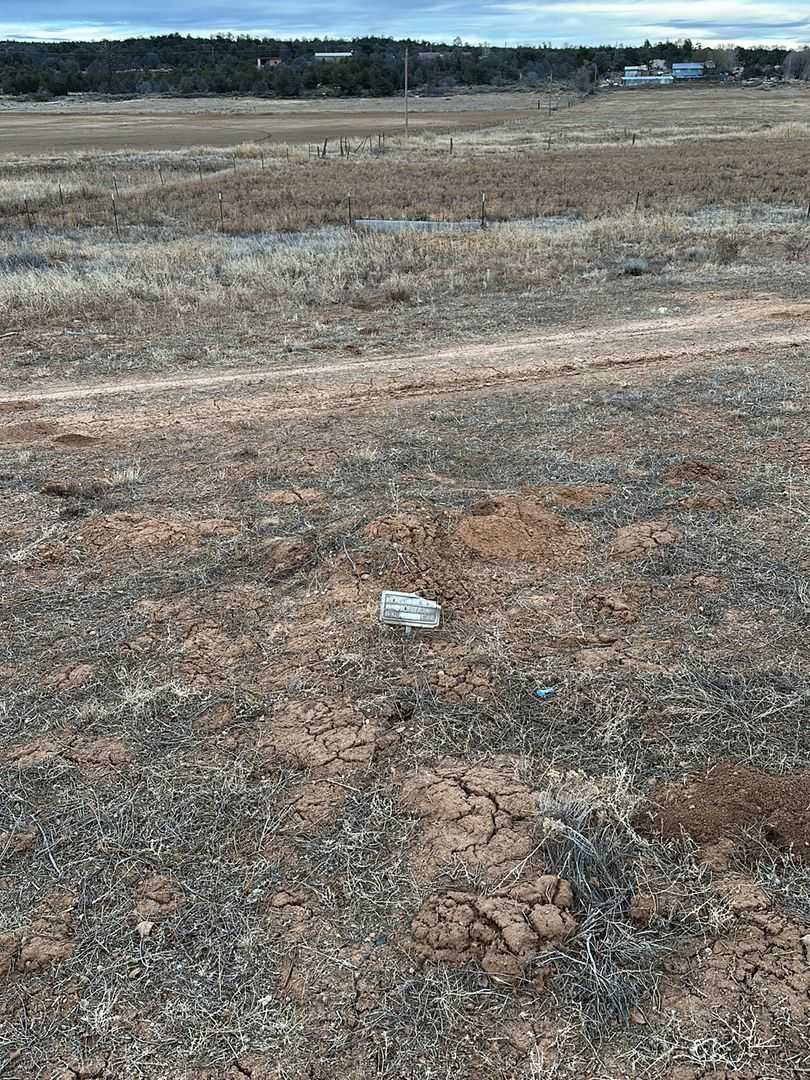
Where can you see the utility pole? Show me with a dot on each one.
(406, 90)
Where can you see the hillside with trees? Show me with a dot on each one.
(225, 64)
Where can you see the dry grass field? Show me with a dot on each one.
(247, 832)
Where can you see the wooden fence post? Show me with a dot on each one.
(638, 196)
(221, 214)
(483, 210)
(115, 218)
(351, 219)
(28, 215)
(160, 174)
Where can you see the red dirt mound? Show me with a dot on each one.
(732, 797)
(502, 932)
(520, 527)
(418, 556)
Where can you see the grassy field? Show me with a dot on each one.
(245, 831)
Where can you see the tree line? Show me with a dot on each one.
(225, 64)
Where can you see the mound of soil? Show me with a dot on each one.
(479, 814)
(614, 604)
(732, 797)
(46, 941)
(501, 932)
(693, 471)
(417, 556)
(328, 735)
(75, 440)
(520, 527)
(115, 534)
(27, 431)
(638, 540)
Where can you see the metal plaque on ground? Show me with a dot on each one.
(409, 610)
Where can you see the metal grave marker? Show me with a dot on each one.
(410, 611)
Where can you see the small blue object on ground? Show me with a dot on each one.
(542, 694)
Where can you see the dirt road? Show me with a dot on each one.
(687, 342)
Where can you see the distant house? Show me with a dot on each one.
(642, 76)
(692, 70)
(332, 57)
(268, 61)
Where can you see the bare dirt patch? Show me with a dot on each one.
(480, 815)
(74, 440)
(502, 932)
(694, 471)
(733, 797)
(119, 533)
(45, 941)
(159, 894)
(519, 527)
(643, 538)
(327, 735)
(100, 752)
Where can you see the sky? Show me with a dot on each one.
(559, 22)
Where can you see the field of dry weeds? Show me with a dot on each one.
(245, 831)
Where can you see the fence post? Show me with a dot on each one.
(221, 214)
(160, 174)
(638, 196)
(61, 197)
(325, 143)
(115, 218)
(199, 169)
(28, 215)
(483, 210)
(351, 219)
(234, 162)
(451, 145)
(633, 143)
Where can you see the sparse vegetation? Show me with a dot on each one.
(245, 831)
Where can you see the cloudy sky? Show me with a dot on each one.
(496, 21)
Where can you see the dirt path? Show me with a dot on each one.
(731, 327)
